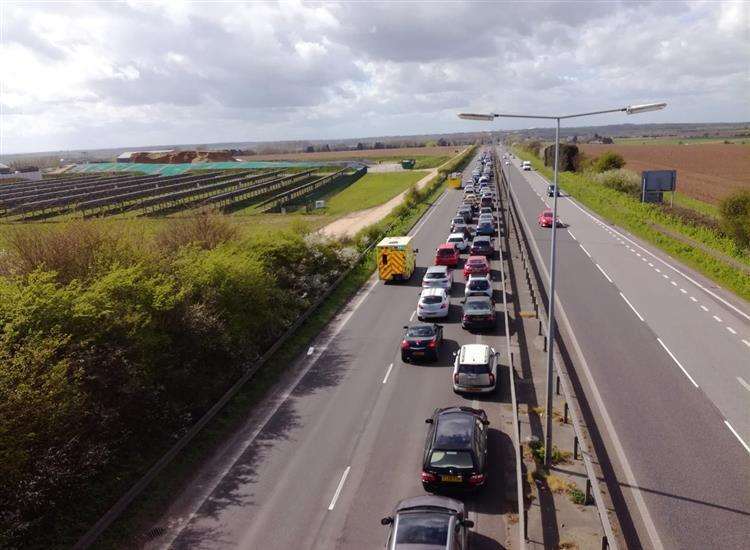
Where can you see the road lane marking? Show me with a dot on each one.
(744, 384)
(717, 319)
(683, 291)
(631, 306)
(571, 234)
(704, 308)
(673, 283)
(387, 373)
(747, 343)
(338, 489)
(604, 272)
(737, 436)
(650, 264)
(665, 275)
(413, 313)
(586, 251)
(693, 299)
(676, 361)
(657, 270)
(730, 329)
(310, 351)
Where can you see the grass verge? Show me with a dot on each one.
(152, 504)
(371, 190)
(640, 219)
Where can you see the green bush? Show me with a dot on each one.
(623, 181)
(608, 160)
(735, 217)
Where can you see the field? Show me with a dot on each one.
(371, 190)
(437, 155)
(707, 172)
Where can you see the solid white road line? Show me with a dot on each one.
(676, 361)
(311, 350)
(387, 373)
(631, 306)
(737, 436)
(730, 329)
(586, 251)
(744, 384)
(704, 308)
(604, 273)
(338, 489)
(413, 313)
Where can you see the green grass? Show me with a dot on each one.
(371, 190)
(694, 204)
(638, 218)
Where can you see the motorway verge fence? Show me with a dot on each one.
(593, 492)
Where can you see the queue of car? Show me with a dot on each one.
(455, 455)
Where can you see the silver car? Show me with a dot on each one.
(478, 285)
(475, 369)
(429, 523)
(438, 276)
(433, 302)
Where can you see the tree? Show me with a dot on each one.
(309, 149)
(379, 145)
(609, 160)
(735, 217)
(442, 142)
(360, 146)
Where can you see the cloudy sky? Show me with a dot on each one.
(94, 75)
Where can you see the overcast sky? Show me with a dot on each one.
(87, 75)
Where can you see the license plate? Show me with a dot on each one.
(471, 389)
(418, 353)
(452, 479)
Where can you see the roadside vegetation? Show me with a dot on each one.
(715, 246)
(115, 338)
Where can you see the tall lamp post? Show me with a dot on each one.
(631, 110)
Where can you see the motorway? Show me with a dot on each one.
(339, 440)
(664, 359)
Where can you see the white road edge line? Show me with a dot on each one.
(686, 373)
(631, 306)
(744, 384)
(338, 489)
(737, 436)
(604, 272)
(387, 373)
(586, 251)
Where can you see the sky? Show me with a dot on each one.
(86, 75)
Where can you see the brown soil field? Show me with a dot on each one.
(707, 172)
(406, 152)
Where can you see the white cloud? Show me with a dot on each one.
(100, 75)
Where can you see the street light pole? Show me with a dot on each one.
(631, 110)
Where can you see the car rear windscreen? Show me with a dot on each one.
(445, 252)
(474, 369)
(423, 529)
(432, 300)
(451, 459)
(479, 284)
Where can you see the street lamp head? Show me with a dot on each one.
(476, 116)
(635, 109)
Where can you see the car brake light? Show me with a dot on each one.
(404, 345)
(455, 378)
(476, 479)
(432, 344)
(443, 306)
(427, 477)
(492, 379)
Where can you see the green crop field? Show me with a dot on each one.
(371, 190)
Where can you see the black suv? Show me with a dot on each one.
(455, 453)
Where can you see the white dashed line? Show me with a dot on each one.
(657, 270)
(718, 319)
(586, 251)
(604, 272)
(678, 363)
(571, 234)
(730, 329)
(631, 306)
(704, 308)
(693, 299)
(746, 342)
(338, 489)
(683, 291)
(637, 254)
(744, 384)
(387, 373)
(311, 350)
(673, 283)
(650, 264)
(737, 436)
(413, 313)
(665, 275)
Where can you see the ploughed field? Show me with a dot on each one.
(403, 152)
(707, 172)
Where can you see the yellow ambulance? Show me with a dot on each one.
(396, 258)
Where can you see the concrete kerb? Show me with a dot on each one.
(125, 500)
(592, 482)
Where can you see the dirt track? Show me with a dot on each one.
(349, 225)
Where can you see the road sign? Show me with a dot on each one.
(655, 182)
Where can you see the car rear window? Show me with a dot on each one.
(476, 307)
(423, 528)
(478, 263)
(473, 369)
(445, 252)
(434, 276)
(479, 284)
(421, 331)
(451, 459)
(432, 300)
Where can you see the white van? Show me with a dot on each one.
(526, 165)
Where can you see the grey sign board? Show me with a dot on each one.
(659, 180)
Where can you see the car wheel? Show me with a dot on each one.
(404, 358)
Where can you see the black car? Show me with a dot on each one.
(478, 313)
(482, 246)
(455, 453)
(551, 191)
(486, 229)
(421, 341)
(430, 522)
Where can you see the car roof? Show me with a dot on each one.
(454, 428)
(437, 269)
(482, 238)
(474, 354)
(395, 241)
(434, 292)
(456, 236)
(478, 276)
(476, 259)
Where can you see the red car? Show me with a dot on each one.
(476, 265)
(545, 218)
(447, 254)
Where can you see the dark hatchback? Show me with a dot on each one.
(455, 453)
(421, 341)
(478, 313)
(482, 246)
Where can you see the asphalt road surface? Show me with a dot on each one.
(342, 437)
(666, 360)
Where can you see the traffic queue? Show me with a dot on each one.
(455, 457)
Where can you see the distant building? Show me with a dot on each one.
(4, 169)
(127, 156)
